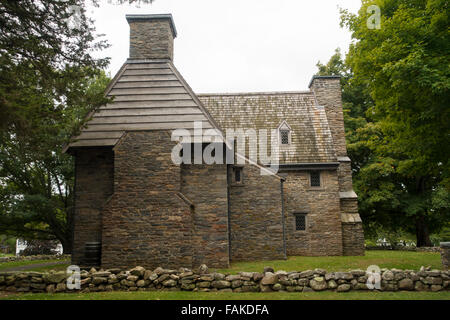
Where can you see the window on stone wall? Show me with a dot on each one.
(237, 174)
(284, 136)
(300, 222)
(314, 178)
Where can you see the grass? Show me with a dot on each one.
(8, 265)
(183, 295)
(2, 255)
(383, 259)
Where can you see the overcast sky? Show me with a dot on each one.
(238, 45)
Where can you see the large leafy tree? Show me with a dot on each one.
(36, 178)
(49, 80)
(403, 179)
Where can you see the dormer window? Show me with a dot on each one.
(284, 134)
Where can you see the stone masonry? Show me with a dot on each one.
(201, 280)
(94, 171)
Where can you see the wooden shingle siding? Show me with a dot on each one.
(149, 104)
(147, 84)
(147, 119)
(144, 126)
(146, 111)
(163, 77)
(152, 97)
(148, 90)
(147, 96)
(94, 143)
(146, 72)
(100, 135)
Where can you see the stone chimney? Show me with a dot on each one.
(327, 90)
(151, 36)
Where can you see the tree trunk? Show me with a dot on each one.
(422, 234)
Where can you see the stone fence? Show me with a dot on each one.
(36, 257)
(402, 248)
(140, 279)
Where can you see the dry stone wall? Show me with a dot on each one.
(141, 279)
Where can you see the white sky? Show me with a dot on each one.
(238, 45)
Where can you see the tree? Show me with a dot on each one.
(44, 45)
(405, 68)
(36, 178)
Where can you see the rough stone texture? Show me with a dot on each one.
(353, 239)
(151, 39)
(323, 234)
(94, 171)
(445, 255)
(145, 222)
(206, 187)
(327, 91)
(256, 217)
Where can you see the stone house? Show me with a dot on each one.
(135, 206)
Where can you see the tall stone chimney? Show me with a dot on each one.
(327, 90)
(151, 36)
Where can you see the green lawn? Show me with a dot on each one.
(2, 255)
(8, 265)
(383, 259)
(183, 295)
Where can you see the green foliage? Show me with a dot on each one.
(49, 81)
(36, 177)
(395, 83)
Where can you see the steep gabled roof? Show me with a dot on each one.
(149, 95)
(311, 136)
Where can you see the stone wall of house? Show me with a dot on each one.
(353, 239)
(146, 222)
(345, 176)
(256, 217)
(323, 234)
(94, 171)
(141, 279)
(206, 187)
(352, 232)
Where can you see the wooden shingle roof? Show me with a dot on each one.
(311, 140)
(149, 95)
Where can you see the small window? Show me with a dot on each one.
(315, 179)
(237, 174)
(284, 136)
(300, 222)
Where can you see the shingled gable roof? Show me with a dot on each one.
(310, 133)
(149, 95)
